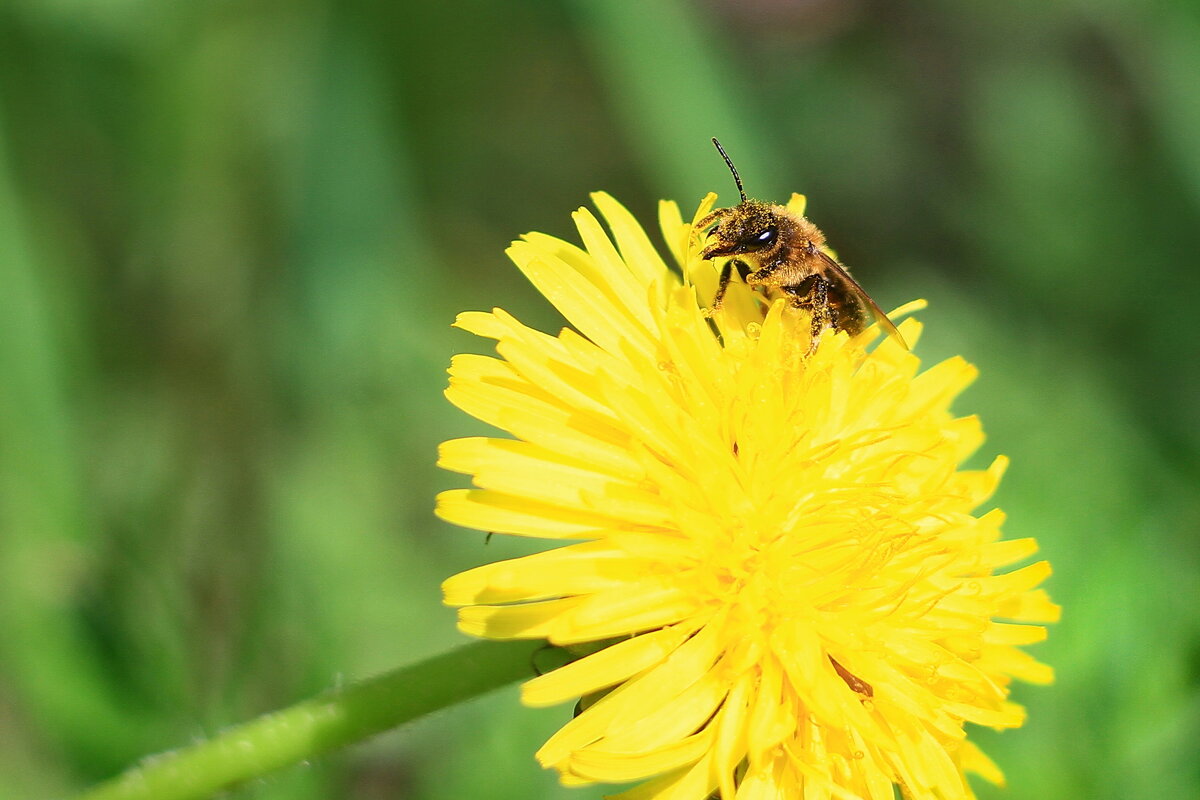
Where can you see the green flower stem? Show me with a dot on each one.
(331, 720)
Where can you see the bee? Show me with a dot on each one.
(771, 247)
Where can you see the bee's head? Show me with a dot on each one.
(750, 227)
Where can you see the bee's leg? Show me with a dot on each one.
(712, 218)
(800, 295)
(812, 295)
(760, 276)
(823, 315)
(722, 285)
(723, 281)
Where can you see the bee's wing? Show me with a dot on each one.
(837, 275)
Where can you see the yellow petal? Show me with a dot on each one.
(526, 621)
(612, 665)
(573, 570)
(637, 253)
(972, 759)
(675, 232)
(620, 767)
(635, 607)
(595, 315)
(682, 784)
(797, 203)
(500, 513)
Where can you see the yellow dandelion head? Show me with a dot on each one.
(803, 599)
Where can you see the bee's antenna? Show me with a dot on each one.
(736, 178)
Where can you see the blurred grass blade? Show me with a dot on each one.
(363, 363)
(44, 530)
(1166, 65)
(673, 90)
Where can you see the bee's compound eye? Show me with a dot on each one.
(766, 236)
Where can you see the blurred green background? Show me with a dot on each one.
(233, 236)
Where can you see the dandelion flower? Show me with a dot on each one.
(778, 549)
